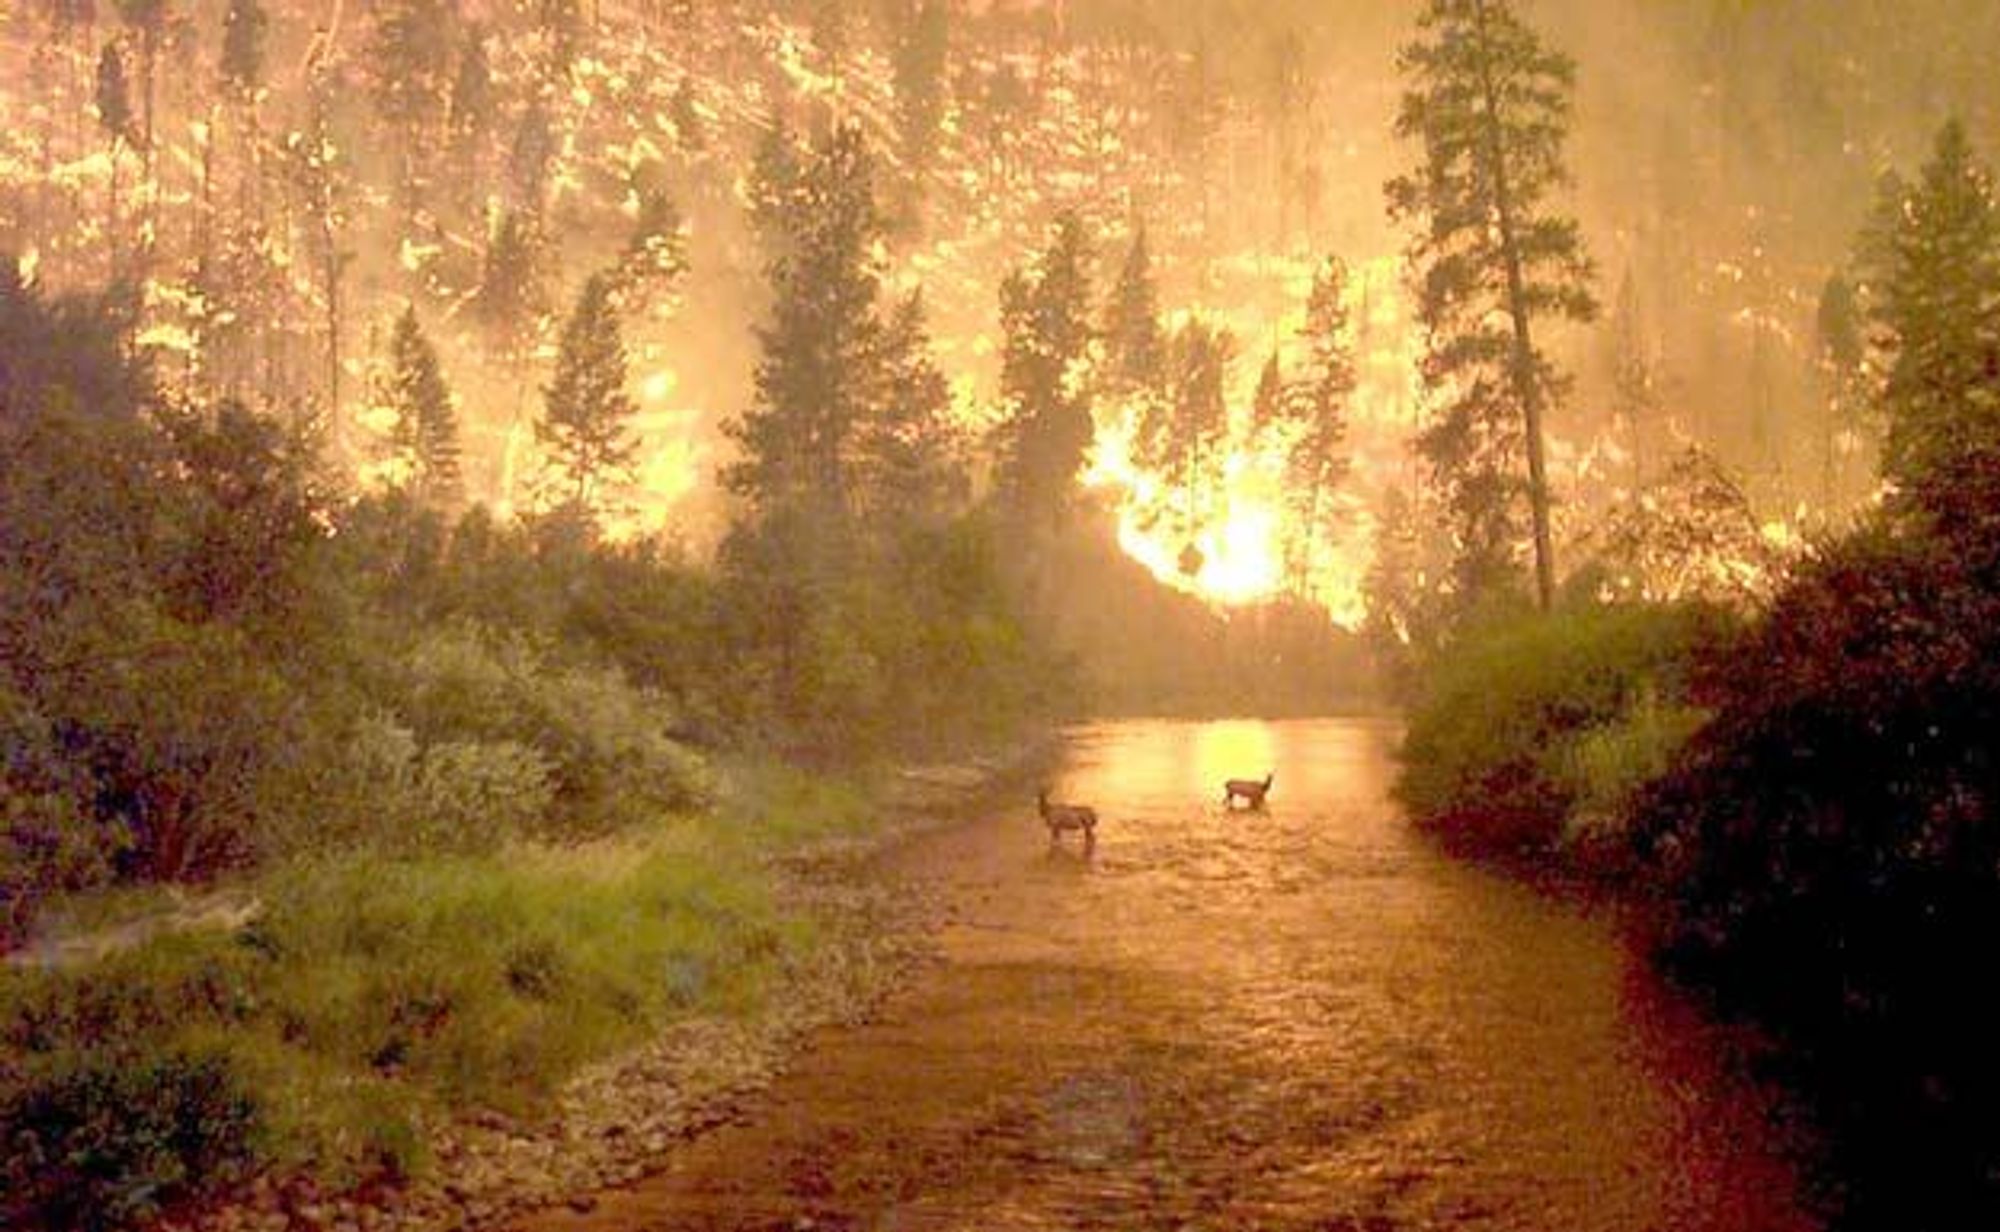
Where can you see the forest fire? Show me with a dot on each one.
(1235, 559)
(556, 552)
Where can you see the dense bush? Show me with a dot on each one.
(108, 1138)
(208, 657)
(1839, 810)
(1606, 770)
(610, 761)
(847, 653)
(448, 754)
(1491, 757)
(1830, 844)
(143, 575)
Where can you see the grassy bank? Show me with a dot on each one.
(1533, 736)
(373, 999)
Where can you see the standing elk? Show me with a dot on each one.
(1250, 791)
(1061, 818)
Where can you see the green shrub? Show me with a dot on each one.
(471, 795)
(51, 839)
(771, 804)
(608, 758)
(1483, 760)
(107, 1137)
(486, 979)
(1604, 770)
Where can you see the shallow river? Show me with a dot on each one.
(1301, 1018)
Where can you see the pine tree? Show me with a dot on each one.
(469, 113)
(1134, 348)
(1268, 404)
(513, 285)
(411, 55)
(776, 180)
(1181, 436)
(1492, 258)
(425, 435)
(1317, 461)
(586, 432)
(240, 279)
(149, 18)
(320, 174)
(840, 427)
(114, 96)
(1840, 355)
(815, 381)
(1936, 306)
(1048, 423)
(531, 155)
(907, 469)
(655, 256)
(114, 114)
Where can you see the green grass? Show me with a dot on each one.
(374, 996)
(1485, 759)
(1603, 769)
(775, 807)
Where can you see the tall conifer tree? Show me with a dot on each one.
(1492, 259)
(1135, 350)
(1935, 292)
(907, 450)
(815, 382)
(1182, 435)
(425, 435)
(586, 432)
(1048, 425)
(1317, 461)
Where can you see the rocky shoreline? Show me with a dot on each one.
(618, 1121)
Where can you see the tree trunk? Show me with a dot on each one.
(1527, 390)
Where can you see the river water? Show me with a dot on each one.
(1299, 1018)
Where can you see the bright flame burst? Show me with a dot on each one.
(1235, 558)
(1251, 547)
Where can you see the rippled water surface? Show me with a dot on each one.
(1302, 1018)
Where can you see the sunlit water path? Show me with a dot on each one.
(1303, 1018)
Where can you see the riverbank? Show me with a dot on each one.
(419, 1046)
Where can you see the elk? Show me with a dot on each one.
(1250, 791)
(1063, 817)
